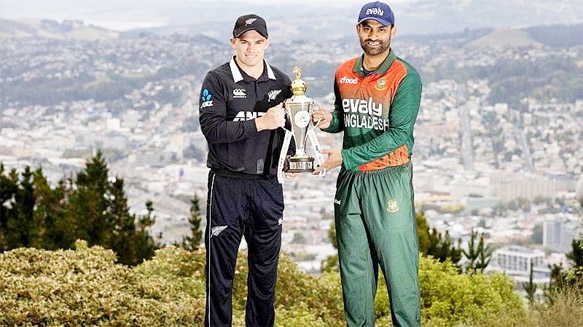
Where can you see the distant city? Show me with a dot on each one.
(507, 169)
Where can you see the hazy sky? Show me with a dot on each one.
(125, 14)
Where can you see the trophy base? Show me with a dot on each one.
(300, 165)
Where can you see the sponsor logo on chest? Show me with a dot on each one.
(368, 107)
(248, 115)
(239, 94)
(346, 80)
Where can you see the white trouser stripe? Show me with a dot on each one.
(210, 235)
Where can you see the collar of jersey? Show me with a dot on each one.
(358, 68)
(238, 76)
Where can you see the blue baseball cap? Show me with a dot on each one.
(379, 11)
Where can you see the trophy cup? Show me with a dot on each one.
(299, 109)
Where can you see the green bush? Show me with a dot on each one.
(449, 298)
(86, 287)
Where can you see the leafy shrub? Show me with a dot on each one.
(86, 287)
(448, 297)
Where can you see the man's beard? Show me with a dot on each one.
(376, 50)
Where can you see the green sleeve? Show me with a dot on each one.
(402, 116)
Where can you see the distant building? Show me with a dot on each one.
(149, 160)
(116, 140)
(516, 262)
(559, 233)
(477, 203)
(510, 187)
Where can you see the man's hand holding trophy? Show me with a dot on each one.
(300, 109)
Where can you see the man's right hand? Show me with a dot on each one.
(273, 118)
(322, 118)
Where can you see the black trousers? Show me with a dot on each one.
(238, 207)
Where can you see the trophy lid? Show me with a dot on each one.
(298, 85)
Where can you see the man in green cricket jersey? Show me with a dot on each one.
(377, 101)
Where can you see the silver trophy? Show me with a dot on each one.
(299, 109)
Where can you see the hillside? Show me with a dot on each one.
(504, 37)
(552, 35)
(50, 29)
(288, 21)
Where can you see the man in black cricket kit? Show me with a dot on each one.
(241, 112)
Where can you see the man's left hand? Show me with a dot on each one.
(334, 160)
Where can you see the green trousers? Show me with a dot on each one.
(376, 227)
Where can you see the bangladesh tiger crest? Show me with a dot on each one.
(392, 206)
(381, 85)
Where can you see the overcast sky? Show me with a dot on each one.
(125, 14)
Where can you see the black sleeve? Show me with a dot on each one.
(213, 111)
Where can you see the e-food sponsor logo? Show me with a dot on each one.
(206, 99)
(346, 80)
(239, 93)
(271, 95)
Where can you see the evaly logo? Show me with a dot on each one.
(215, 231)
(206, 99)
(250, 21)
(273, 94)
(362, 106)
(280, 221)
(375, 11)
(248, 115)
(336, 201)
(239, 93)
(346, 80)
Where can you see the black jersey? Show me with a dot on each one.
(230, 100)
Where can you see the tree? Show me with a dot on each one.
(50, 213)
(530, 287)
(87, 207)
(477, 254)
(99, 208)
(331, 263)
(299, 238)
(576, 255)
(92, 207)
(422, 232)
(145, 245)
(21, 225)
(192, 243)
(8, 189)
(441, 247)
(571, 278)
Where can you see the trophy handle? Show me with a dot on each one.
(317, 150)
